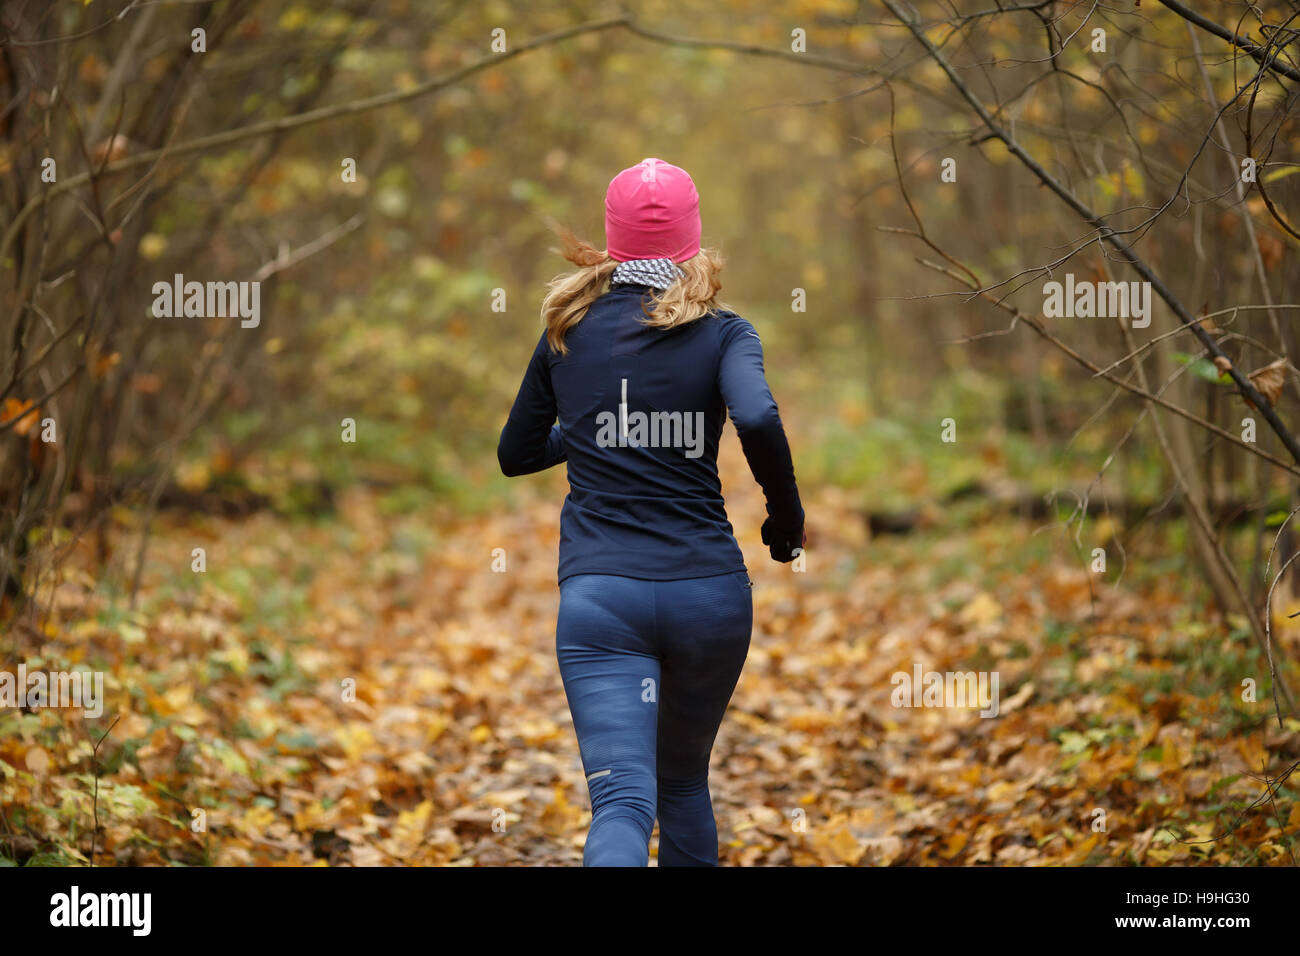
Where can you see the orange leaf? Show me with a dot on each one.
(106, 362)
(25, 412)
(1270, 251)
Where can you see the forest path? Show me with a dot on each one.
(459, 749)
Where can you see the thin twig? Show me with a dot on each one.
(94, 760)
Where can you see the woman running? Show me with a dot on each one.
(630, 384)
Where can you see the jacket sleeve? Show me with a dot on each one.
(753, 411)
(531, 440)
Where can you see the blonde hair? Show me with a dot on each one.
(569, 296)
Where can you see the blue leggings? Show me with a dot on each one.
(648, 668)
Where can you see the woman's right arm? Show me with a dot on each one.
(753, 411)
(530, 440)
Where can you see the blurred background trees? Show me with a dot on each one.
(818, 134)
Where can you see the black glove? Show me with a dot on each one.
(781, 544)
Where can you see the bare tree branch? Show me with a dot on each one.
(1105, 233)
(1246, 45)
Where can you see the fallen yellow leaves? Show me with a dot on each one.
(839, 846)
(561, 816)
(457, 747)
(982, 611)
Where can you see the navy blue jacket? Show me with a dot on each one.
(640, 411)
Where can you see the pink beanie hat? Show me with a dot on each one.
(652, 211)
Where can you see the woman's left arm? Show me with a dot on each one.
(531, 440)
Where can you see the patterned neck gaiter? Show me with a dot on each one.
(656, 273)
